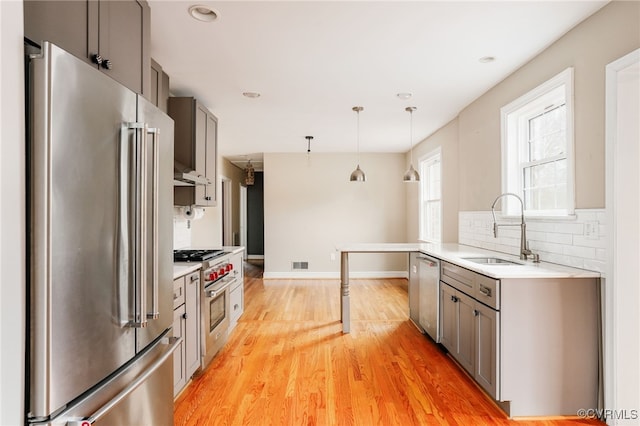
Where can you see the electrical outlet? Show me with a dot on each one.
(592, 229)
(332, 255)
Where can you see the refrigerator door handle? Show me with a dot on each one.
(155, 311)
(173, 341)
(140, 224)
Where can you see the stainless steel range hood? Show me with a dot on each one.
(186, 176)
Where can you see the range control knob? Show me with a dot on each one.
(213, 276)
(222, 270)
(229, 267)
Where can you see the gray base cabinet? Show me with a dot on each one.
(530, 343)
(486, 348)
(237, 291)
(470, 328)
(459, 326)
(192, 330)
(111, 35)
(179, 365)
(186, 314)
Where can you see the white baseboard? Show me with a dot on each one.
(255, 256)
(334, 275)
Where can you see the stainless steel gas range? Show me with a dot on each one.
(217, 277)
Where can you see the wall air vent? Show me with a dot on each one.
(299, 265)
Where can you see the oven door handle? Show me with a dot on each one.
(217, 291)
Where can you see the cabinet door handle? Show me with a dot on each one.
(96, 58)
(235, 307)
(194, 278)
(184, 315)
(454, 299)
(476, 313)
(107, 64)
(208, 198)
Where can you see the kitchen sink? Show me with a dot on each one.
(491, 261)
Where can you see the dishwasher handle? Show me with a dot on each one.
(432, 263)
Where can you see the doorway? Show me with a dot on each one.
(227, 213)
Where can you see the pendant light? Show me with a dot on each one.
(309, 139)
(358, 175)
(249, 174)
(411, 175)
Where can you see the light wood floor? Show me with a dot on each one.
(288, 363)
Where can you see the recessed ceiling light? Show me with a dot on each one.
(404, 95)
(203, 13)
(252, 95)
(487, 59)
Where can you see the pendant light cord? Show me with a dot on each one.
(411, 136)
(410, 109)
(358, 137)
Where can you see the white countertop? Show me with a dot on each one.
(181, 269)
(456, 253)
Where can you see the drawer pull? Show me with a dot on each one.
(485, 290)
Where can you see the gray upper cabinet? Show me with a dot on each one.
(159, 90)
(111, 35)
(196, 134)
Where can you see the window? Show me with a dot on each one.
(430, 197)
(537, 149)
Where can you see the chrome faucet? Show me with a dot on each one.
(524, 246)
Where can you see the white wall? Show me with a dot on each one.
(311, 208)
(12, 215)
(608, 34)
(445, 139)
(207, 231)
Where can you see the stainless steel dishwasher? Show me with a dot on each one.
(429, 295)
(424, 294)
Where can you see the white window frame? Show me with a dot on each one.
(426, 160)
(511, 134)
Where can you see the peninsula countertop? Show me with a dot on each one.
(459, 255)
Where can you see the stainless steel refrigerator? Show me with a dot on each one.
(101, 273)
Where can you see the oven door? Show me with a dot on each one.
(215, 315)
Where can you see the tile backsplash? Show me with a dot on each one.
(181, 229)
(579, 241)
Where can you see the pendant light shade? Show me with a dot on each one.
(358, 175)
(411, 175)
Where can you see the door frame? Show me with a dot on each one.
(227, 211)
(620, 333)
(243, 218)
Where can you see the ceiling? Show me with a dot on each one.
(312, 61)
